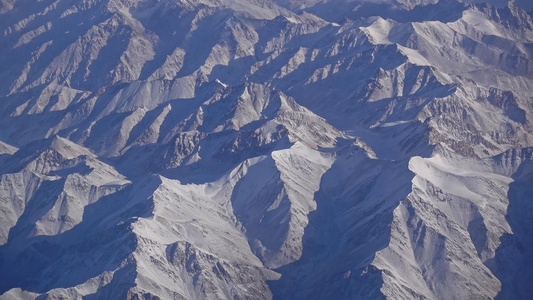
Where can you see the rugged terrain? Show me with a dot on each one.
(257, 149)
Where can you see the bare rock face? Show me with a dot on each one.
(266, 149)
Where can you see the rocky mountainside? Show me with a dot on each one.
(258, 149)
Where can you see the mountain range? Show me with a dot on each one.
(259, 149)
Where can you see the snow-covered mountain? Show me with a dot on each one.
(258, 149)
